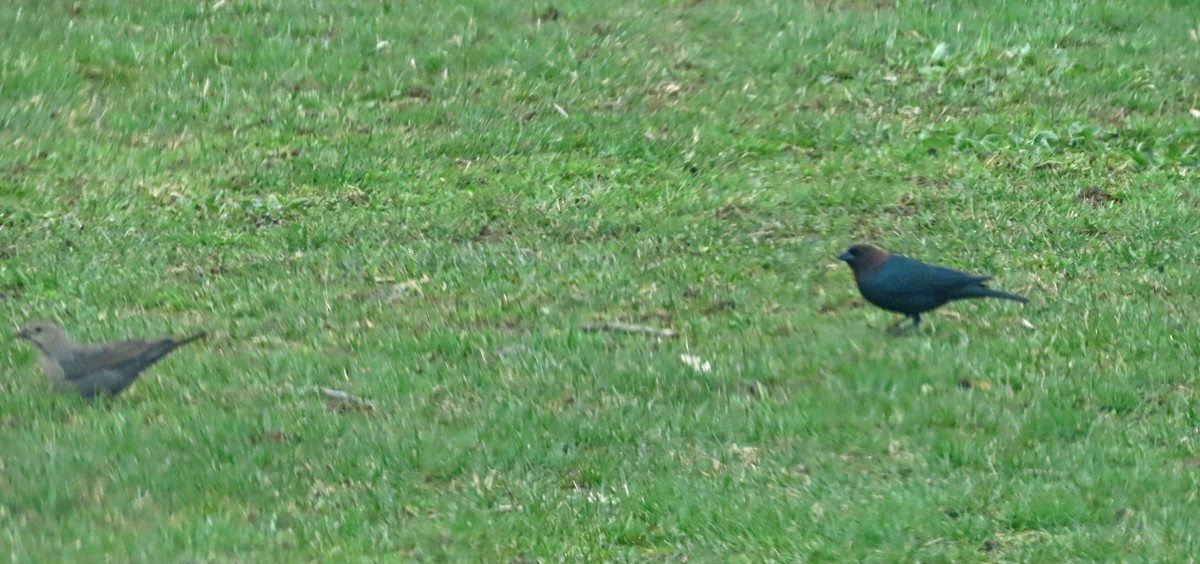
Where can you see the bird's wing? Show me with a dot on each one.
(125, 357)
(909, 274)
(103, 382)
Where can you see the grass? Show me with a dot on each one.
(420, 203)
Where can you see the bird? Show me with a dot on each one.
(908, 286)
(93, 370)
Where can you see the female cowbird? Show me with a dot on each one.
(93, 370)
(911, 287)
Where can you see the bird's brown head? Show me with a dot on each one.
(863, 259)
(46, 335)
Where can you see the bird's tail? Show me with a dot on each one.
(163, 347)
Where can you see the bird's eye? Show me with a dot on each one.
(37, 329)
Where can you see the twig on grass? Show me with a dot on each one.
(337, 399)
(618, 327)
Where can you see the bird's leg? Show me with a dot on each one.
(897, 329)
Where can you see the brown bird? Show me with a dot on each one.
(92, 370)
(911, 287)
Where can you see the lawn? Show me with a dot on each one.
(423, 204)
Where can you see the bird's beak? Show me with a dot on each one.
(845, 256)
(22, 334)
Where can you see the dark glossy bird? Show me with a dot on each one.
(911, 287)
(92, 370)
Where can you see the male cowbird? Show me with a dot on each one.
(911, 287)
(92, 370)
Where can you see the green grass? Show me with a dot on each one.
(420, 203)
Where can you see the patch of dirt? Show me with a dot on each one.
(550, 14)
(277, 437)
(828, 308)
(906, 206)
(730, 211)
(492, 234)
(350, 406)
(663, 317)
(1096, 197)
(721, 306)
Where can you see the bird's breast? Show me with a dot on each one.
(54, 372)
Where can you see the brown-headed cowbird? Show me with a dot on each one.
(911, 287)
(91, 370)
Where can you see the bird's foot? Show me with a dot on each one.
(901, 328)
